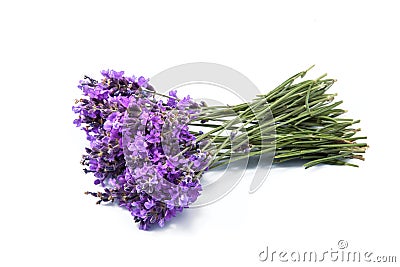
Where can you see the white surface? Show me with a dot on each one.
(47, 46)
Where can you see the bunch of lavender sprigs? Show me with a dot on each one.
(128, 128)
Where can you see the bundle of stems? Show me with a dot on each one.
(293, 121)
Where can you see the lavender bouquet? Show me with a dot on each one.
(146, 153)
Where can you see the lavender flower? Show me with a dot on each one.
(141, 150)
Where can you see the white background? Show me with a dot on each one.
(47, 46)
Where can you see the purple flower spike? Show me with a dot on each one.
(142, 82)
(105, 73)
(116, 74)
